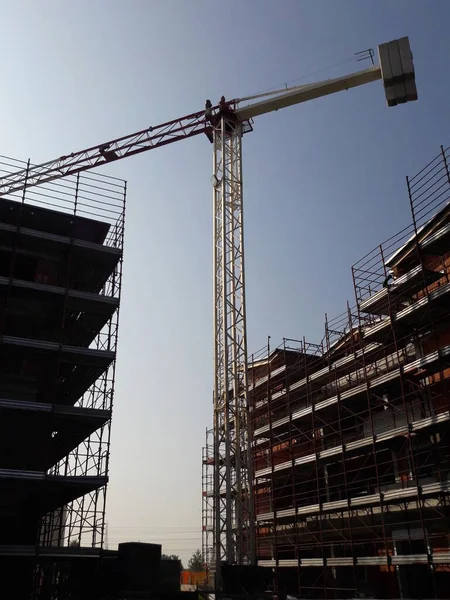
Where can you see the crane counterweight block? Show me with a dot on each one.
(397, 71)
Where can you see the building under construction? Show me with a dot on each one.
(351, 435)
(60, 280)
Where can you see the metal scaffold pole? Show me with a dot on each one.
(233, 523)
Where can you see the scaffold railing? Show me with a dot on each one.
(351, 436)
(92, 200)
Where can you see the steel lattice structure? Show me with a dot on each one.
(99, 199)
(234, 538)
(351, 436)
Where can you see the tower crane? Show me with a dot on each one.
(224, 124)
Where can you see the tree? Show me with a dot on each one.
(196, 561)
(74, 543)
(172, 557)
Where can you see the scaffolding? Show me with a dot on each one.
(208, 554)
(351, 434)
(60, 279)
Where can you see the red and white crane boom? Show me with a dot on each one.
(197, 123)
(232, 529)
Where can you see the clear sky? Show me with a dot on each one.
(324, 183)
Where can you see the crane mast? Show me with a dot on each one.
(233, 521)
(232, 474)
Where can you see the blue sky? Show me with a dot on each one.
(324, 183)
